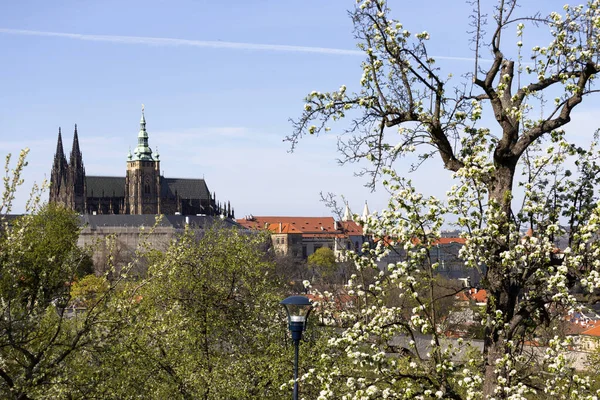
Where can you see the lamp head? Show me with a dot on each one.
(298, 309)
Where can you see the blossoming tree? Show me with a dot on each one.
(514, 170)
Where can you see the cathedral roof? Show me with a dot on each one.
(105, 186)
(184, 188)
(114, 186)
(148, 220)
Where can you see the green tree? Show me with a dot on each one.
(408, 104)
(206, 324)
(323, 264)
(324, 257)
(39, 260)
(43, 327)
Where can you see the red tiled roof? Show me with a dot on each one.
(306, 225)
(477, 295)
(480, 296)
(352, 228)
(448, 240)
(283, 228)
(574, 328)
(324, 235)
(595, 331)
(462, 296)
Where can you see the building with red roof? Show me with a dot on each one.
(302, 236)
(589, 340)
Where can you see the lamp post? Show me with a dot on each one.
(297, 309)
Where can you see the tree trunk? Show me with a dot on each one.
(502, 291)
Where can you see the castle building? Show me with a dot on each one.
(142, 191)
(302, 236)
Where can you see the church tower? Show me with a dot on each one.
(77, 177)
(59, 177)
(142, 183)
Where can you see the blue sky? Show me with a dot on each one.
(219, 81)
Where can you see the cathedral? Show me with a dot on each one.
(142, 191)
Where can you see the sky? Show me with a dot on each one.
(219, 80)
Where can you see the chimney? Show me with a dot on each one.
(280, 227)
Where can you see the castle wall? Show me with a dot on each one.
(116, 245)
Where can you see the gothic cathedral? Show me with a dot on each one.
(142, 191)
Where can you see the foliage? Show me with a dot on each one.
(39, 259)
(324, 257)
(205, 324)
(51, 315)
(203, 321)
(323, 264)
(527, 281)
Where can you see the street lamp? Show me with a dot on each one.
(297, 309)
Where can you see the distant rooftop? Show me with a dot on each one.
(149, 220)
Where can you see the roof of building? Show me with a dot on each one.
(280, 227)
(105, 186)
(149, 220)
(595, 331)
(449, 240)
(142, 152)
(477, 295)
(184, 188)
(114, 186)
(352, 228)
(305, 225)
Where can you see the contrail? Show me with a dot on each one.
(154, 41)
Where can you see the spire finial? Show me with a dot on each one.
(143, 151)
(347, 214)
(366, 211)
(76, 157)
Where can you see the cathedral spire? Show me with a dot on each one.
(60, 161)
(75, 151)
(366, 211)
(347, 214)
(143, 120)
(77, 176)
(59, 174)
(59, 148)
(143, 151)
